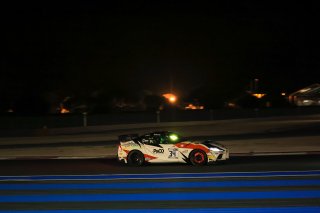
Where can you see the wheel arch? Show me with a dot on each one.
(129, 161)
(198, 150)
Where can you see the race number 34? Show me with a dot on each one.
(173, 153)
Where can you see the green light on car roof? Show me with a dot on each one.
(173, 137)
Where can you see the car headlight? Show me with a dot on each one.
(215, 149)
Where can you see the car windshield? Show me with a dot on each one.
(161, 138)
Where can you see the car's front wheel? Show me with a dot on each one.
(135, 158)
(198, 157)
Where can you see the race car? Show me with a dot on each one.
(168, 147)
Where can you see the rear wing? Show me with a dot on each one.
(128, 137)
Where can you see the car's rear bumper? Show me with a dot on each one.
(122, 159)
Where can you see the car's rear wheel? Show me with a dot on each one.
(198, 157)
(135, 158)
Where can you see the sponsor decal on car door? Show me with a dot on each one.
(163, 152)
(171, 152)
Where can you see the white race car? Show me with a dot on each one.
(168, 147)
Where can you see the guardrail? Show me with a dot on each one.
(14, 122)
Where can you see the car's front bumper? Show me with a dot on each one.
(218, 156)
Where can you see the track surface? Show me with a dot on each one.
(111, 166)
(243, 184)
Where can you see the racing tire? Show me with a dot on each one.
(135, 158)
(198, 157)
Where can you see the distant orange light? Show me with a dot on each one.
(258, 95)
(231, 105)
(64, 111)
(170, 97)
(190, 106)
(193, 107)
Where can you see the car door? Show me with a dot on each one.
(159, 151)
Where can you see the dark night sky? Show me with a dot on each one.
(137, 45)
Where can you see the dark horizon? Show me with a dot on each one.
(209, 50)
